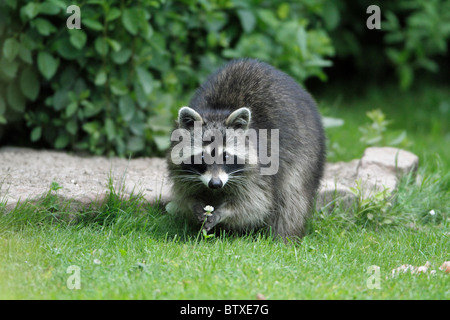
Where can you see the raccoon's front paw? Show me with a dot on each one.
(207, 220)
(210, 221)
(199, 212)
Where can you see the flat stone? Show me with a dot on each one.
(378, 169)
(381, 168)
(397, 161)
(332, 194)
(335, 186)
(27, 174)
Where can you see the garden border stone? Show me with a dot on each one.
(27, 174)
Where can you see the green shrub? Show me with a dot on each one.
(413, 38)
(414, 45)
(113, 86)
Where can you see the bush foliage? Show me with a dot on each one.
(113, 86)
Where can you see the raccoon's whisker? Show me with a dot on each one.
(236, 180)
(238, 171)
(240, 177)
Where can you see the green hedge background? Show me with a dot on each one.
(113, 87)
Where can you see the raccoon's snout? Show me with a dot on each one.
(215, 183)
(214, 180)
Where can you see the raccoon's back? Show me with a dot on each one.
(274, 98)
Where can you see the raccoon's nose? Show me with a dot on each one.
(215, 183)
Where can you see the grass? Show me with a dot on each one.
(125, 249)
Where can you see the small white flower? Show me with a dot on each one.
(432, 212)
(209, 209)
(96, 261)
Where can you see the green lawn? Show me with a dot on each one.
(126, 250)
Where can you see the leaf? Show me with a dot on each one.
(90, 109)
(145, 79)
(47, 64)
(135, 144)
(92, 24)
(71, 109)
(101, 46)
(100, 78)
(355, 191)
(54, 186)
(113, 14)
(130, 20)
(72, 126)
(331, 15)
(122, 56)
(43, 26)
(162, 142)
(115, 45)
(36, 134)
(10, 49)
(215, 21)
(399, 139)
(318, 62)
(8, 68)
(302, 41)
(30, 10)
(117, 87)
(127, 107)
(60, 99)
(15, 98)
(66, 49)
(146, 27)
(91, 127)
(248, 20)
(51, 8)
(78, 38)
(283, 11)
(110, 129)
(25, 54)
(62, 141)
(29, 83)
(406, 76)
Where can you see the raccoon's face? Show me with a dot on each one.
(212, 161)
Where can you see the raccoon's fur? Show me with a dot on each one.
(248, 94)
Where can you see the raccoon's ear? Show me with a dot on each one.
(239, 119)
(187, 116)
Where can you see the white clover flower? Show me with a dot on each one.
(432, 212)
(208, 210)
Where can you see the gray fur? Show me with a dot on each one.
(250, 200)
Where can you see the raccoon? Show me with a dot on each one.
(248, 98)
